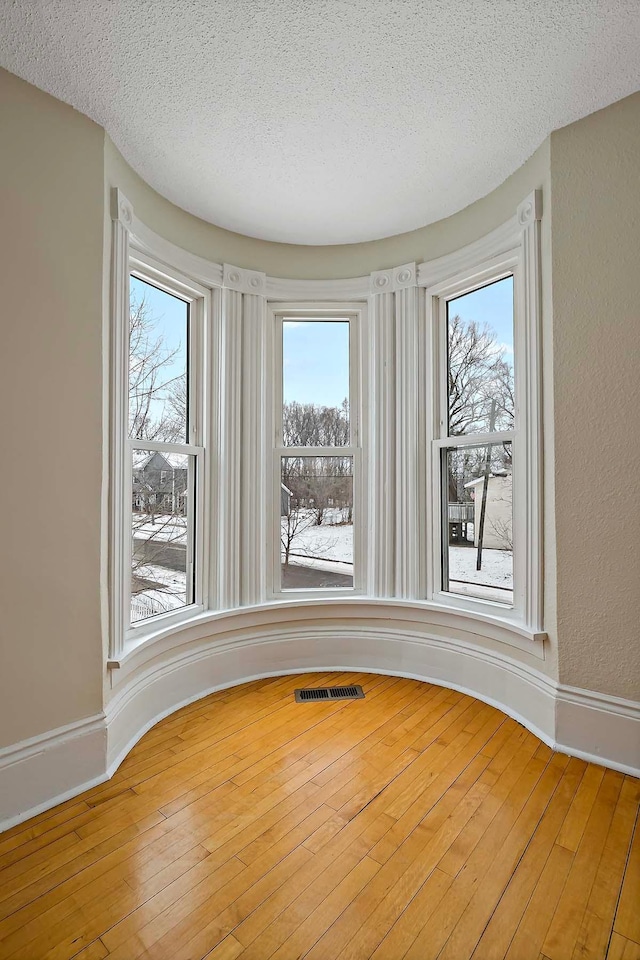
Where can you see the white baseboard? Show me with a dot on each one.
(44, 771)
(39, 773)
(598, 728)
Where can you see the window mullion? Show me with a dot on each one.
(381, 451)
(474, 439)
(253, 565)
(166, 445)
(316, 451)
(407, 552)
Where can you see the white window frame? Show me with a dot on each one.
(354, 314)
(522, 261)
(124, 634)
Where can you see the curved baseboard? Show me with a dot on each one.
(46, 770)
(522, 693)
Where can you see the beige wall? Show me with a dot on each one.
(595, 180)
(51, 174)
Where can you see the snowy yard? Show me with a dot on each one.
(493, 582)
(171, 592)
(165, 527)
(330, 548)
(327, 548)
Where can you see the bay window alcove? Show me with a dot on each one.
(370, 443)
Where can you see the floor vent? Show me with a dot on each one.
(354, 692)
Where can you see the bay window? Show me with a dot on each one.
(382, 444)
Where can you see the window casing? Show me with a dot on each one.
(504, 459)
(165, 472)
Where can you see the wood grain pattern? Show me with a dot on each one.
(417, 823)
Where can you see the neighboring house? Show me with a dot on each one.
(285, 501)
(461, 516)
(159, 500)
(498, 520)
(159, 483)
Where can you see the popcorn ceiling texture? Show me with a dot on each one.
(326, 121)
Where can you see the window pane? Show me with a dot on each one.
(158, 367)
(162, 545)
(315, 379)
(478, 522)
(480, 359)
(316, 522)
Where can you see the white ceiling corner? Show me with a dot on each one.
(326, 121)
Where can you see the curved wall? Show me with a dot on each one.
(325, 262)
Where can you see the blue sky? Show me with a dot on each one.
(169, 315)
(316, 352)
(316, 361)
(492, 305)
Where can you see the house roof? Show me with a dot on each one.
(497, 475)
(176, 461)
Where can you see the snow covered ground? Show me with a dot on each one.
(326, 547)
(493, 582)
(330, 547)
(171, 595)
(165, 527)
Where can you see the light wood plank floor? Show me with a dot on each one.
(417, 823)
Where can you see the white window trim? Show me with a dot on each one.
(355, 314)
(469, 271)
(129, 258)
(174, 283)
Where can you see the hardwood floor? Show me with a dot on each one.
(416, 823)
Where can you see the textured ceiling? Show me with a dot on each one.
(326, 121)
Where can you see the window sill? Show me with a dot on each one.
(415, 616)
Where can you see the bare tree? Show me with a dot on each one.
(481, 399)
(478, 375)
(156, 408)
(157, 411)
(291, 527)
(320, 489)
(503, 531)
(320, 482)
(316, 483)
(159, 546)
(313, 425)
